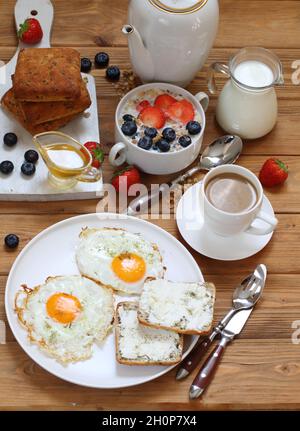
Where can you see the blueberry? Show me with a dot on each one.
(193, 127)
(128, 117)
(31, 156)
(169, 134)
(113, 73)
(101, 59)
(163, 145)
(6, 167)
(10, 139)
(129, 128)
(11, 240)
(28, 169)
(145, 143)
(86, 65)
(151, 132)
(185, 141)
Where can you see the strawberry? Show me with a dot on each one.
(273, 173)
(97, 153)
(182, 111)
(30, 31)
(142, 105)
(152, 117)
(122, 180)
(164, 101)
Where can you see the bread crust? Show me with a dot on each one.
(42, 112)
(47, 74)
(12, 105)
(207, 331)
(120, 360)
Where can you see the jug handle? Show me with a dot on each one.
(216, 67)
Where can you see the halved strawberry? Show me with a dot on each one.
(152, 117)
(142, 105)
(163, 101)
(182, 111)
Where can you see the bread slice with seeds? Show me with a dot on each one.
(186, 308)
(139, 345)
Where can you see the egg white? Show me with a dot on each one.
(98, 247)
(67, 342)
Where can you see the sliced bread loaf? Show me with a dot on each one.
(186, 308)
(140, 345)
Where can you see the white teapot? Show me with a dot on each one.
(169, 40)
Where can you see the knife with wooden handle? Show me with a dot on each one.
(207, 371)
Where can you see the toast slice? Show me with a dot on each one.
(139, 345)
(185, 308)
(43, 112)
(12, 105)
(47, 74)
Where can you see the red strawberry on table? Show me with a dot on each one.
(273, 173)
(182, 111)
(126, 178)
(164, 101)
(96, 152)
(30, 31)
(152, 117)
(142, 105)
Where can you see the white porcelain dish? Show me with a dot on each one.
(52, 252)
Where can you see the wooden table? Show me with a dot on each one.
(261, 370)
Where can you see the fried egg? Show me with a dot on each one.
(66, 315)
(118, 259)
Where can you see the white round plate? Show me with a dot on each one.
(190, 222)
(52, 252)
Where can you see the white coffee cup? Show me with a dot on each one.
(228, 224)
(153, 162)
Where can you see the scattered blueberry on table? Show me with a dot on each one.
(10, 139)
(11, 241)
(28, 169)
(113, 73)
(6, 167)
(31, 156)
(101, 59)
(86, 65)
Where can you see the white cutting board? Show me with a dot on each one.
(16, 186)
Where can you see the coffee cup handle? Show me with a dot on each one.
(271, 221)
(117, 155)
(203, 99)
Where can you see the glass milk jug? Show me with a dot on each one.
(247, 105)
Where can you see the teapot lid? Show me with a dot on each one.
(179, 6)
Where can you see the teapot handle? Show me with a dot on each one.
(216, 67)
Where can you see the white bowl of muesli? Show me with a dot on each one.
(159, 128)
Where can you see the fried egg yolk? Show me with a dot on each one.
(63, 308)
(129, 267)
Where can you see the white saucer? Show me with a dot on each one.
(190, 222)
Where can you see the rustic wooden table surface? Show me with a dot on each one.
(261, 370)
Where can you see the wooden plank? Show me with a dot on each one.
(280, 255)
(100, 22)
(271, 319)
(284, 199)
(254, 374)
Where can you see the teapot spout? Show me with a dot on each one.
(140, 56)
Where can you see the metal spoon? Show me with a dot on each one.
(221, 151)
(244, 297)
